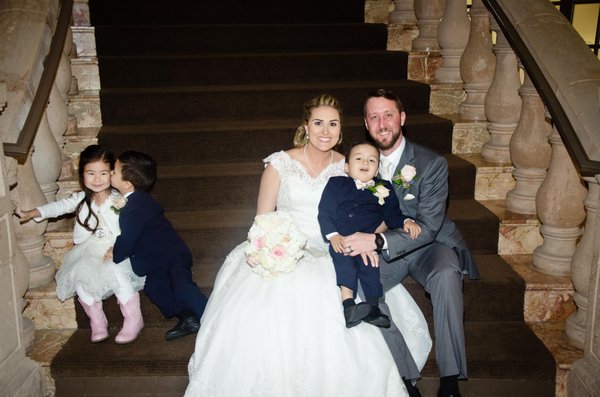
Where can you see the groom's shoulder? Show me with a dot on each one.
(423, 151)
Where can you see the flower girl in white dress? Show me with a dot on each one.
(84, 271)
(286, 335)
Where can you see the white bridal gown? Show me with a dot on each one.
(287, 336)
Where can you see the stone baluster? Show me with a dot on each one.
(477, 64)
(582, 372)
(453, 35)
(57, 111)
(58, 116)
(586, 255)
(402, 26)
(428, 13)
(64, 74)
(20, 277)
(502, 102)
(28, 194)
(559, 204)
(47, 159)
(529, 151)
(404, 13)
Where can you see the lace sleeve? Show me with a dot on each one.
(275, 159)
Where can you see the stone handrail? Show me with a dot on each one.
(563, 69)
(20, 149)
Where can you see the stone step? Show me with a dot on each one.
(259, 138)
(218, 39)
(189, 12)
(250, 68)
(163, 366)
(270, 101)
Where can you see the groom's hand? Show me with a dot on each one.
(362, 244)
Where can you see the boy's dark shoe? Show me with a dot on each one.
(356, 313)
(377, 318)
(185, 326)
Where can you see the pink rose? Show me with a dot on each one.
(278, 252)
(260, 243)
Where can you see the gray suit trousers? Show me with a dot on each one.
(436, 267)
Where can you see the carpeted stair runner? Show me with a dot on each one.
(211, 88)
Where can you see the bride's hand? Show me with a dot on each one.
(250, 261)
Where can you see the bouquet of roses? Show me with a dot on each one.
(275, 244)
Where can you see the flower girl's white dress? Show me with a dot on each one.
(83, 269)
(286, 336)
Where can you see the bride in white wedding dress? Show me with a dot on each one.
(287, 336)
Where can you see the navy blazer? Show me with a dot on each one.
(147, 237)
(345, 209)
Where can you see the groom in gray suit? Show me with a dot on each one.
(437, 259)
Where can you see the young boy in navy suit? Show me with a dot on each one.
(360, 202)
(153, 246)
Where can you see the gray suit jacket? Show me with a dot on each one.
(427, 208)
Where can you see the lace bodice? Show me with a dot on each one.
(299, 193)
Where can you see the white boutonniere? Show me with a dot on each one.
(406, 177)
(118, 202)
(380, 191)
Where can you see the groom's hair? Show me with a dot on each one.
(355, 144)
(139, 169)
(384, 93)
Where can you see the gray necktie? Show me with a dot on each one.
(386, 169)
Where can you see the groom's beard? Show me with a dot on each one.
(386, 146)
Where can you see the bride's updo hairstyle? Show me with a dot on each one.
(300, 138)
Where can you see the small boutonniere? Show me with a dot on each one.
(406, 177)
(118, 202)
(380, 191)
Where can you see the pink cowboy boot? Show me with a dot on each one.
(98, 321)
(132, 320)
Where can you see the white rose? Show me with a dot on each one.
(381, 192)
(408, 172)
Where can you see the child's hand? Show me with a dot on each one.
(412, 229)
(336, 244)
(109, 255)
(24, 215)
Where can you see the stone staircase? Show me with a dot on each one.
(208, 101)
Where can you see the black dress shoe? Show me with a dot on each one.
(185, 326)
(440, 394)
(356, 313)
(377, 318)
(448, 387)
